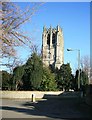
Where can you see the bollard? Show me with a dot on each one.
(33, 97)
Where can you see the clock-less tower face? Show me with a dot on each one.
(52, 47)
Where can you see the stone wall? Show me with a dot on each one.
(27, 94)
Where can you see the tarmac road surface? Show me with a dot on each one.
(49, 109)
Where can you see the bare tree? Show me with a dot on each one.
(85, 63)
(14, 63)
(11, 20)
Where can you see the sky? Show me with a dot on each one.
(72, 17)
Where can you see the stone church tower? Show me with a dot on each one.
(53, 47)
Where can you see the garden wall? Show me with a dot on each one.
(27, 94)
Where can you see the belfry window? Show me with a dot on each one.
(53, 38)
(48, 39)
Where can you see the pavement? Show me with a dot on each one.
(56, 108)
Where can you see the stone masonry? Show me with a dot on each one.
(53, 46)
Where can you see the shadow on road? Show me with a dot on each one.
(65, 106)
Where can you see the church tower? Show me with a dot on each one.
(53, 46)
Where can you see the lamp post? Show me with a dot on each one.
(78, 65)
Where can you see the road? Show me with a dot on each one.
(51, 108)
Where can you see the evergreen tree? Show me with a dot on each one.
(6, 80)
(33, 73)
(48, 81)
(37, 77)
(83, 79)
(18, 73)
